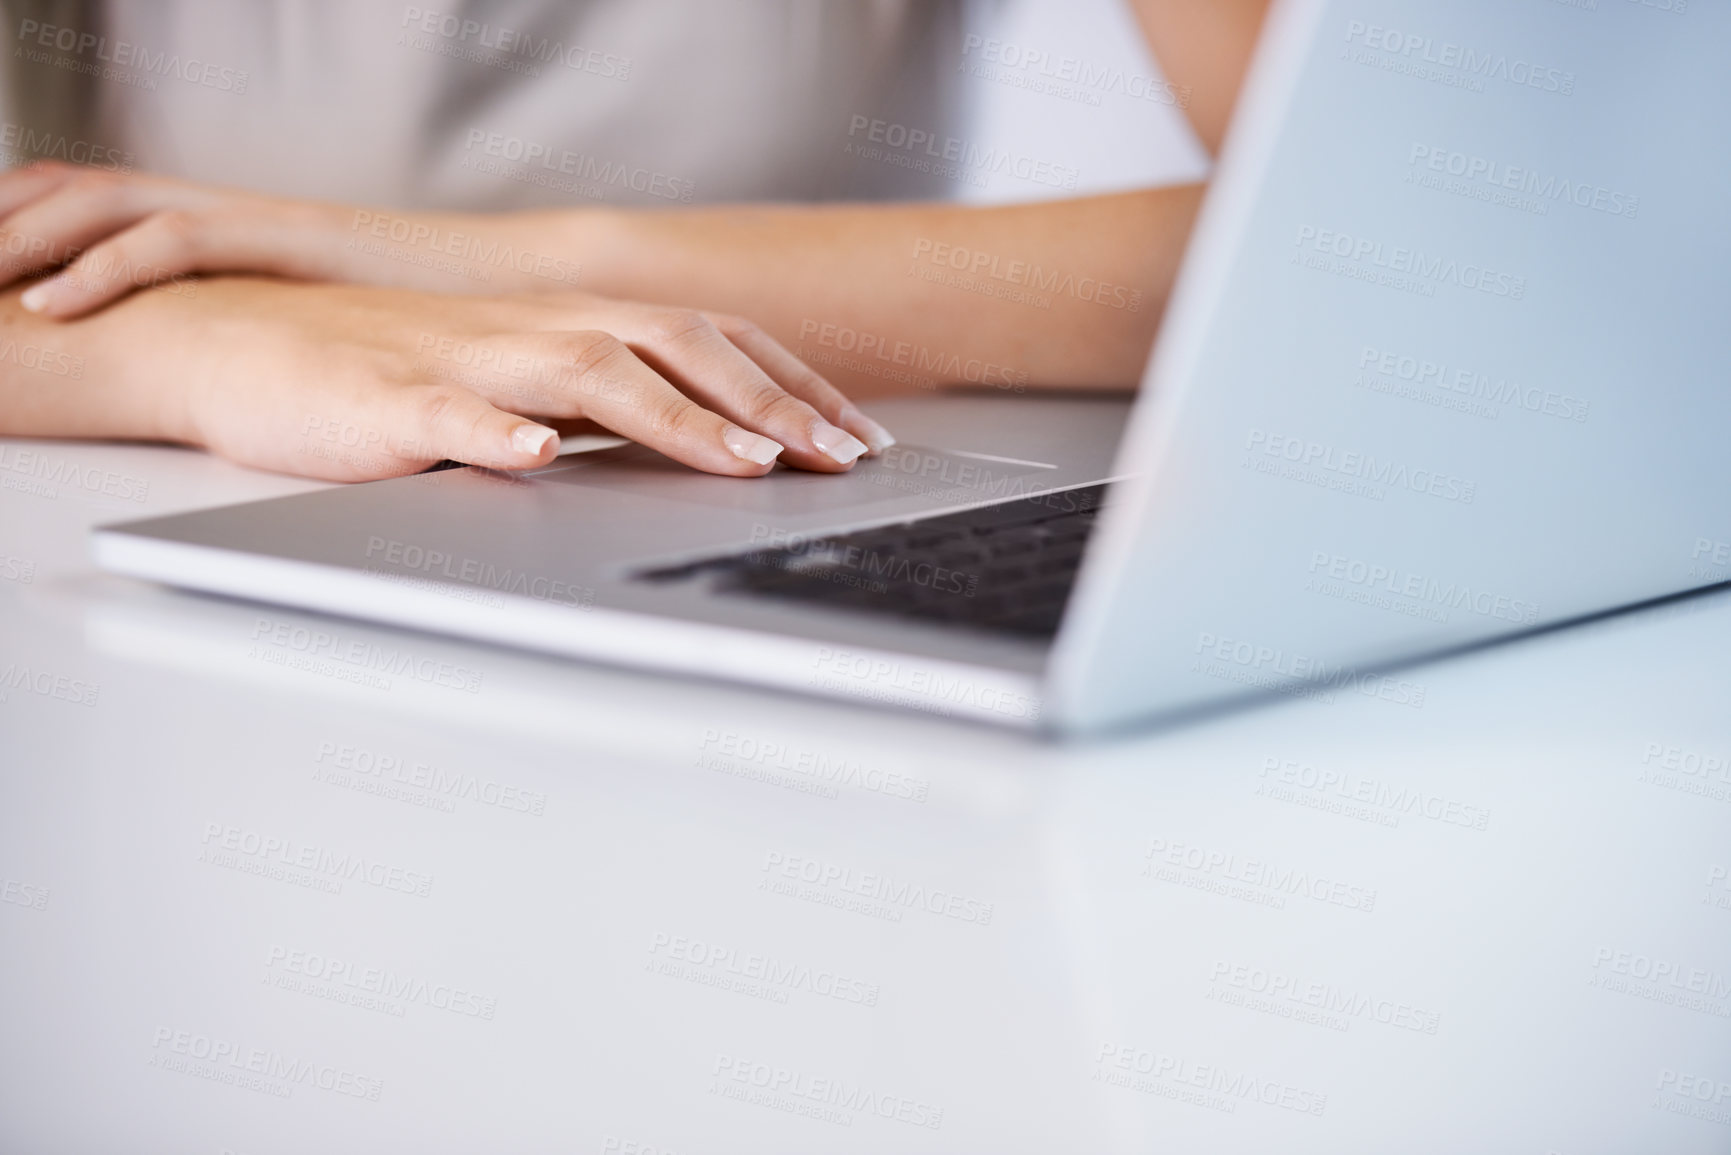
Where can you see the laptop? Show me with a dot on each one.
(1446, 362)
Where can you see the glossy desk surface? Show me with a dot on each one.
(455, 898)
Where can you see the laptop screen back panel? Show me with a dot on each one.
(1447, 359)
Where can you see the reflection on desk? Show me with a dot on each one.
(276, 882)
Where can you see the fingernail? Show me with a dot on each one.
(532, 440)
(875, 435)
(35, 298)
(748, 446)
(838, 444)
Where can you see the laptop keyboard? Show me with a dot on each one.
(1006, 567)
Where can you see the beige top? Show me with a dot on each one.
(499, 104)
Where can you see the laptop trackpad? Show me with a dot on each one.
(946, 476)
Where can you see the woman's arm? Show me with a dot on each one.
(1060, 293)
(1204, 49)
(355, 382)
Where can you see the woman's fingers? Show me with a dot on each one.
(448, 421)
(691, 352)
(594, 375)
(355, 424)
(124, 231)
(84, 209)
(802, 381)
(159, 248)
(20, 254)
(678, 348)
(20, 186)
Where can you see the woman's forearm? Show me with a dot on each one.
(60, 379)
(877, 297)
(1064, 293)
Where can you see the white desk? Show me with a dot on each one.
(252, 907)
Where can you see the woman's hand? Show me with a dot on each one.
(115, 232)
(869, 289)
(353, 383)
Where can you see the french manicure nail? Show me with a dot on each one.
(748, 446)
(35, 298)
(837, 444)
(532, 440)
(875, 435)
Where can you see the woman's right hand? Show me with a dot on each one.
(353, 383)
(115, 232)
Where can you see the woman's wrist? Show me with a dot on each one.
(92, 378)
(454, 252)
(549, 250)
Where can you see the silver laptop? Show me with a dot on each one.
(1447, 361)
